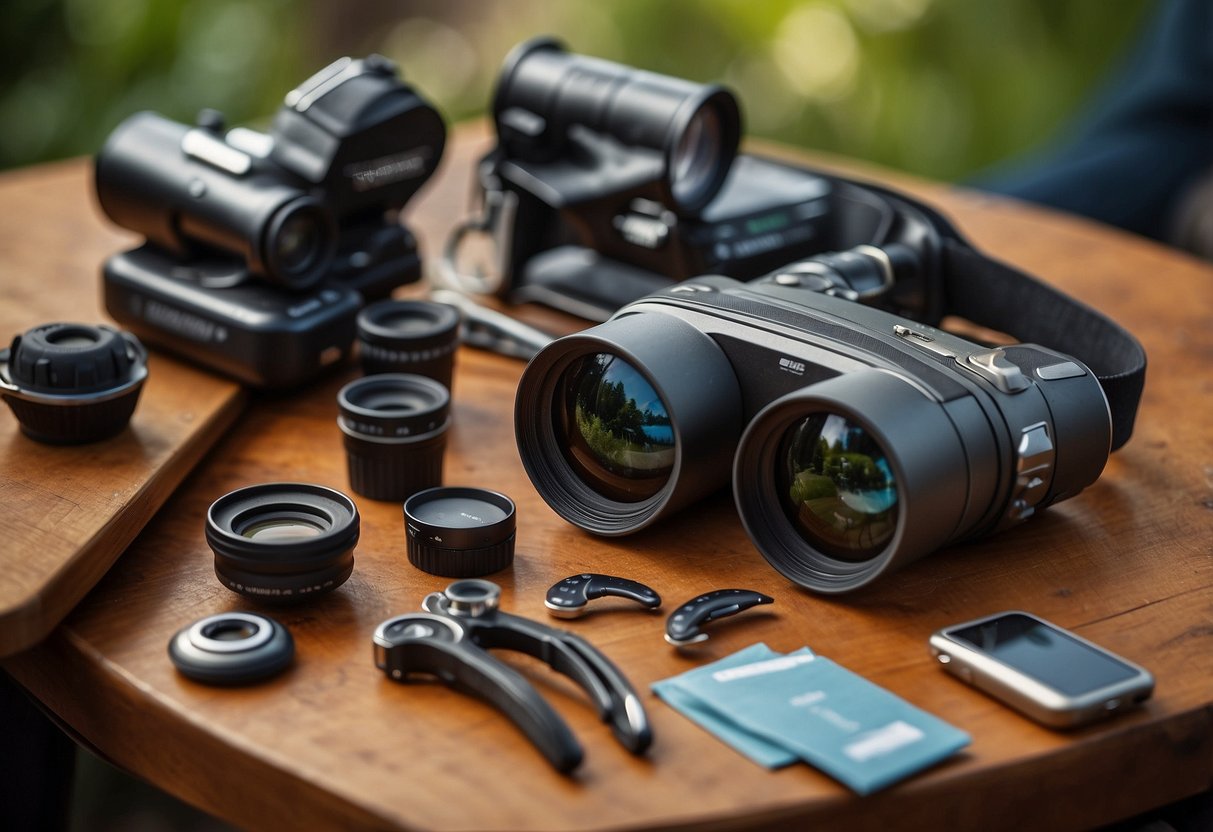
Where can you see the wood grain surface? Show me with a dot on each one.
(334, 744)
(68, 513)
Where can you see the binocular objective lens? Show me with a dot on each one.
(298, 243)
(838, 488)
(697, 156)
(616, 430)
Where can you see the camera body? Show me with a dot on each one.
(261, 247)
(609, 183)
(856, 439)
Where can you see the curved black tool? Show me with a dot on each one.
(570, 597)
(683, 625)
(450, 641)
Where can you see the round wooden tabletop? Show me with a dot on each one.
(334, 743)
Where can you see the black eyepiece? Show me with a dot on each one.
(72, 383)
(460, 532)
(544, 91)
(232, 648)
(283, 542)
(409, 336)
(395, 433)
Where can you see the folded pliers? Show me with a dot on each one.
(450, 641)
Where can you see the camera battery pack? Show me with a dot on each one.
(259, 335)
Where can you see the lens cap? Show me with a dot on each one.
(232, 648)
(459, 532)
(409, 336)
(71, 383)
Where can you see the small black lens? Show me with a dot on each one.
(459, 532)
(283, 542)
(697, 158)
(409, 336)
(298, 243)
(616, 431)
(395, 433)
(837, 486)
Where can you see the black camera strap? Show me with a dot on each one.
(995, 295)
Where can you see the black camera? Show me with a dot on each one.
(261, 247)
(858, 438)
(607, 183)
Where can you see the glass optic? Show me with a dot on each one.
(696, 157)
(616, 431)
(283, 529)
(297, 243)
(837, 487)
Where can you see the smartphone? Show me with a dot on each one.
(1041, 670)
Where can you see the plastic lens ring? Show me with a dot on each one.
(232, 648)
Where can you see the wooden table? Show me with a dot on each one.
(334, 744)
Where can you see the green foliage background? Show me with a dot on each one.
(937, 87)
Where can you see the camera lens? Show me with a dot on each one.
(395, 433)
(71, 383)
(297, 243)
(616, 429)
(459, 532)
(409, 336)
(838, 489)
(697, 156)
(283, 542)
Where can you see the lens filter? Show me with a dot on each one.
(283, 542)
(459, 532)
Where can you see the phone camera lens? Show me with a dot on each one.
(283, 542)
(395, 433)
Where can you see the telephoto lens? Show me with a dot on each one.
(283, 542)
(72, 383)
(458, 532)
(395, 433)
(409, 336)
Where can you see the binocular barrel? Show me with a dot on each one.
(187, 191)
(544, 90)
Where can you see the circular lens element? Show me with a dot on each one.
(837, 486)
(395, 434)
(697, 157)
(618, 437)
(459, 532)
(298, 243)
(72, 383)
(283, 542)
(409, 336)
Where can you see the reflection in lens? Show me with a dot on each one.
(838, 488)
(297, 242)
(616, 431)
(282, 529)
(696, 157)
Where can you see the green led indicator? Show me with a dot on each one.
(767, 223)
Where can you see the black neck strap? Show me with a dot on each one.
(995, 295)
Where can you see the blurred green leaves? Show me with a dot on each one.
(936, 87)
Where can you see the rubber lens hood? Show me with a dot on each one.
(395, 433)
(71, 383)
(283, 542)
(409, 336)
(460, 532)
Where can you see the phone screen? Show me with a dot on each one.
(1044, 653)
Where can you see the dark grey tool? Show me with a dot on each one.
(570, 598)
(683, 625)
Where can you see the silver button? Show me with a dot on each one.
(1065, 369)
(993, 366)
